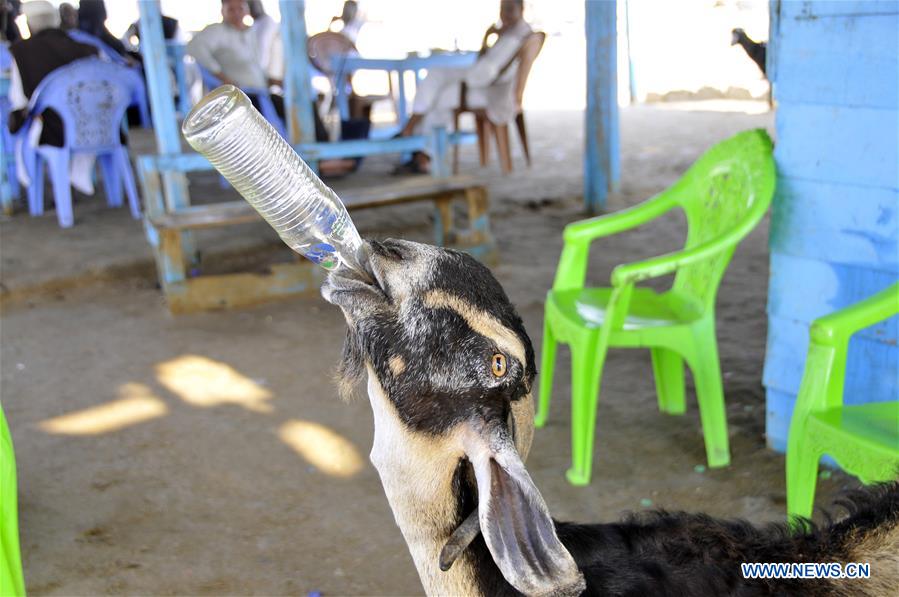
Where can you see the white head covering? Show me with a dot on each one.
(40, 15)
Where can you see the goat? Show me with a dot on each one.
(756, 50)
(449, 370)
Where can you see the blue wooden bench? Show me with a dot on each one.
(166, 229)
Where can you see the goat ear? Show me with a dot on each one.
(518, 529)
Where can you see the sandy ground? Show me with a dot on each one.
(241, 472)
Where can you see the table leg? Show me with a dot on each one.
(402, 116)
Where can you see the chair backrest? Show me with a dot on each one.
(527, 54)
(90, 95)
(724, 195)
(327, 49)
(263, 98)
(86, 38)
(210, 81)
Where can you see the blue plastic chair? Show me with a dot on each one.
(106, 50)
(267, 107)
(90, 96)
(7, 137)
(11, 580)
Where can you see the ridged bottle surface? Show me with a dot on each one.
(308, 216)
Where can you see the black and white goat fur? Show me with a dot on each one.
(449, 370)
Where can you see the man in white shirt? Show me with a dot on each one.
(489, 83)
(266, 30)
(230, 49)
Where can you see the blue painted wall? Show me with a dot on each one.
(835, 221)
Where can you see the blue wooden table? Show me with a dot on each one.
(400, 66)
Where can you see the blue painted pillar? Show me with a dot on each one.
(834, 232)
(631, 77)
(297, 78)
(601, 159)
(162, 103)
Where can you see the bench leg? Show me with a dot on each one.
(443, 221)
(170, 258)
(477, 239)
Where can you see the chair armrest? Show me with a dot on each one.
(840, 325)
(825, 365)
(666, 264)
(572, 268)
(592, 228)
(655, 267)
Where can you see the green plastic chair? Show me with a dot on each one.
(11, 580)
(724, 195)
(862, 438)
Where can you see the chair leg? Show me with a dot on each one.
(112, 182)
(710, 395)
(802, 472)
(668, 369)
(62, 191)
(501, 132)
(36, 190)
(124, 168)
(547, 367)
(523, 137)
(587, 359)
(482, 125)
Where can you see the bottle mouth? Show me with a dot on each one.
(211, 111)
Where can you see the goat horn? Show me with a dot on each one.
(460, 540)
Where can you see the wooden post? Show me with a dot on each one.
(162, 103)
(297, 86)
(601, 160)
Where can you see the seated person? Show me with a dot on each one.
(9, 10)
(266, 29)
(489, 83)
(92, 19)
(230, 51)
(69, 16)
(170, 32)
(48, 48)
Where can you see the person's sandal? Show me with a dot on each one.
(410, 167)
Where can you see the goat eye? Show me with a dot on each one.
(498, 365)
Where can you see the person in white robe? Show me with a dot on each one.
(489, 83)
